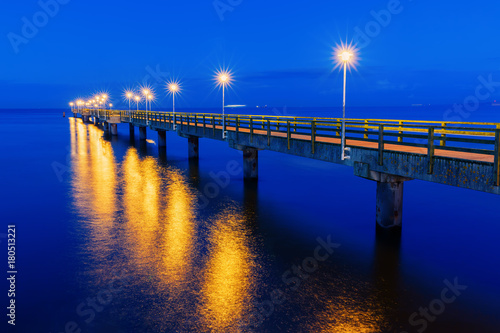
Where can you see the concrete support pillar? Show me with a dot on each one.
(95, 120)
(162, 139)
(250, 163)
(193, 147)
(389, 204)
(131, 129)
(114, 129)
(85, 119)
(143, 133)
(106, 127)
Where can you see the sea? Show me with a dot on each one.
(113, 236)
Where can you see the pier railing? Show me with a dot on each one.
(467, 140)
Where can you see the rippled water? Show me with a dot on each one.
(115, 237)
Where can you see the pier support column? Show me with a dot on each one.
(85, 119)
(106, 127)
(131, 129)
(389, 200)
(143, 133)
(95, 120)
(250, 163)
(193, 147)
(114, 129)
(390, 204)
(162, 139)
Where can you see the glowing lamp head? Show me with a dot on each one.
(71, 104)
(137, 98)
(345, 54)
(110, 105)
(173, 87)
(128, 94)
(150, 97)
(223, 78)
(145, 92)
(104, 97)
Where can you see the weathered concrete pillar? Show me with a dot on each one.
(250, 163)
(131, 129)
(114, 129)
(106, 127)
(193, 148)
(143, 133)
(162, 139)
(85, 119)
(389, 201)
(390, 204)
(95, 120)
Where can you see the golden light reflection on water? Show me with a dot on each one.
(94, 183)
(347, 317)
(229, 277)
(141, 185)
(179, 232)
(142, 216)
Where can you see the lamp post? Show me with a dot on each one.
(173, 88)
(345, 56)
(224, 78)
(128, 95)
(146, 93)
(137, 100)
(71, 104)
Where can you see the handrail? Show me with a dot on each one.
(464, 137)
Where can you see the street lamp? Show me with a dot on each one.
(223, 78)
(146, 93)
(344, 56)
(137, 100)
(129, 95)
(72, 104)
(174, 88)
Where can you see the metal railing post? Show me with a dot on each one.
(380, 144)
(268, 133)
(497, 157)
(400, 136)
(313, 134)
(366, 130)
(251, 129)
(288, 133)
(442, 143)
(430, 150)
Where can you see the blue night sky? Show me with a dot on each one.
(429, 52)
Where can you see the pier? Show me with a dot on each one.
(389, 152)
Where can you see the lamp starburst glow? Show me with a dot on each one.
(223, 78)
(128, 96)
(345, 55)
(137, 99)
(173, 87)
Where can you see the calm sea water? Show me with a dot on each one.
(113, 237)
